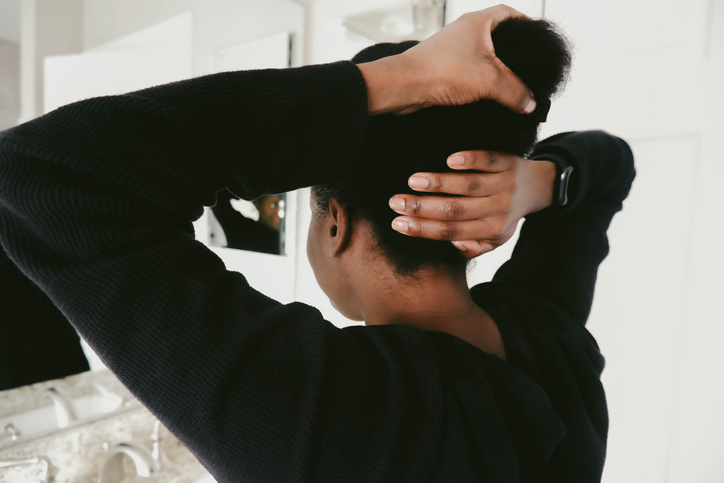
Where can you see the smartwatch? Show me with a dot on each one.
(561, 188)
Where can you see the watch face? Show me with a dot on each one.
(563, 186)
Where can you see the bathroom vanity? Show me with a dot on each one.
(88, 428)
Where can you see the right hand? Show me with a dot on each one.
(455, 66)
(488, 206)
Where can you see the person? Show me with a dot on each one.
(96, 204)
(245, 233)
(37, 343)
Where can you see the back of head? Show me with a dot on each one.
(398, 146)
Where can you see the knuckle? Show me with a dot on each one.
(452, 210)
(472, 185)
(413, 228)
(492, 158)
(415, 207)
(435, 182)
(447, 231)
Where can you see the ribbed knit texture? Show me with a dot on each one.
(96, 204)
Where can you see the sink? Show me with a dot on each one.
(41, 420)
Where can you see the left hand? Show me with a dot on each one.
(455, 66)
(489, 205)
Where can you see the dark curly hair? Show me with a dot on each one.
(399, 145)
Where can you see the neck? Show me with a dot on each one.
(432, 301)
(428, 299)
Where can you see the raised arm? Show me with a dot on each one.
(96, 204)
(560, 248)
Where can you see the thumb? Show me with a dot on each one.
(473, 248)
(510, 91)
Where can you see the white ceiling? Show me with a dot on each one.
(10, 20)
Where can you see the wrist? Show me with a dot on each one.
(392, 86)
(544, 176)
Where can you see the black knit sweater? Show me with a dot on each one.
(96, 204)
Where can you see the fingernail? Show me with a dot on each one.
(531, 106)
(460, 246)
(418, 182)
(455, 161)
(400, 225)
(397, 203)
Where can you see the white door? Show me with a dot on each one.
(652, 71)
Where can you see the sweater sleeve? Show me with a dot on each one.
(560, 248)
(97, 201)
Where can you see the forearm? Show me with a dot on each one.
(127, 166)
(602, 168)
(560, 248)
(96, 204)
(109, 177)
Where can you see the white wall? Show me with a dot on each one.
(9, 83)
(10, 20)
(48, 27)
(218, 24)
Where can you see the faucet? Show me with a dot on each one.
(112, 468)
(64, 409)
(47, 470)
(10, 432)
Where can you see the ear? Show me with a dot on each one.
(339, 228)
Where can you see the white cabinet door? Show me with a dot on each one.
(152, 56)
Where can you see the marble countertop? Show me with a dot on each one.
(77, 452)
(26, 398)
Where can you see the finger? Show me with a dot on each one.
(510, 91)
(466, 184)
(503, 12)
(473, 248)
(443, 208)
(483, 229)
(488, 161)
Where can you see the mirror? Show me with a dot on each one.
(249, 225)
(259, 225)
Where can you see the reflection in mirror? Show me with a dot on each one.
(249, 225)
(257, 225)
